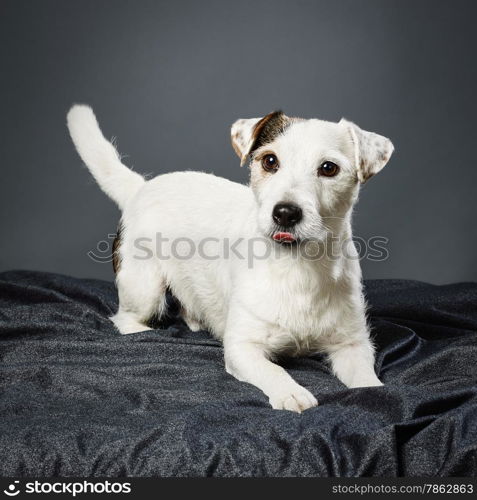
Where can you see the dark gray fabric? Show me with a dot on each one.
(77, 398)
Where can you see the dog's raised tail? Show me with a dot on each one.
(100, 156)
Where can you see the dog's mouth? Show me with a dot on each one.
(284, 237)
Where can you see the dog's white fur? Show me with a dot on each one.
(284, 303)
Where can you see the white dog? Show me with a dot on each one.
(305, 177)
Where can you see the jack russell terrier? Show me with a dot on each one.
(305, 177)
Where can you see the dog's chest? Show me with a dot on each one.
(302, 321)
(301, 314)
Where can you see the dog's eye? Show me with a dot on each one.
(270, 163)
(328, 169)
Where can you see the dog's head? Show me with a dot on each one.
(306, 173)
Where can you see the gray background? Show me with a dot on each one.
(168, 79)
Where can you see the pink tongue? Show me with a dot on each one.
(287, 237)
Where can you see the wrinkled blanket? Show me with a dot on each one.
(78, 399)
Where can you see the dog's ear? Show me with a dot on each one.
(372, 151)
(242, 137)
(249, 134)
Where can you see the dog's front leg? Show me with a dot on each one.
(249, 362)
(353, 363)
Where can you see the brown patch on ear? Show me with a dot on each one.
(365, 175)
(268, 128)
(116, 245)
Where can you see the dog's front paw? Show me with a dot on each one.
(295, 398)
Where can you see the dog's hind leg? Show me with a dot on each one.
(142, 295)
(193, 324)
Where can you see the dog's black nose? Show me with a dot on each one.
(286, 214)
